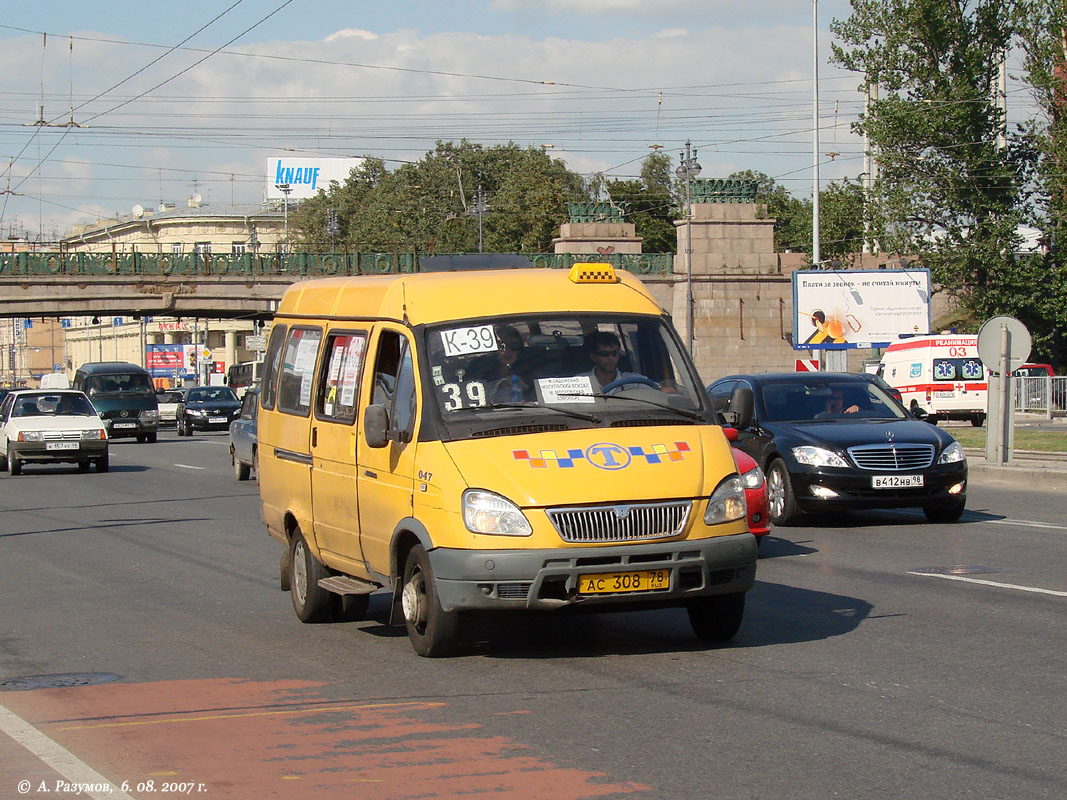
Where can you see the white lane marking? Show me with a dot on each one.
(188, 466)
(1033, 589)
(1026, 523)
(59, 758)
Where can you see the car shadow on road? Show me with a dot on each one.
(774, 614)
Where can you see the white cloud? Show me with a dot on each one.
(351, 33)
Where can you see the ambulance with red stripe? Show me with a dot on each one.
(941, 374)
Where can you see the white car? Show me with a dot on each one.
(49, 426)
(168, 405)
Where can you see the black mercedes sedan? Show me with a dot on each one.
(206, 408)
(834, 440)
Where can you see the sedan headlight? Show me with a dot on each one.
(487, 512)
(818, 457)
(31, 436)
(952, 454)
(727, 502)
(195, 412)
(94, 434)
(753, 479)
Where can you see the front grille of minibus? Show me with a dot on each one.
(892, 456)
(620, 523)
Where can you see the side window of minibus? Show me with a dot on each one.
(338, 392)
(394, 380)
(269, 388)
(298, 371)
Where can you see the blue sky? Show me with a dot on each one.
(597, 81)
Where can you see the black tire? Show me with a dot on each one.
(152, 437)
(103, 463)
(141, 438)
(14, 464)
(717, 619)
(781, 503)
(3, 463)
(179, 426)
(83, 465)
(947, 512)
(311, 602)
(433, 631)
(978, 420)
(240, 469)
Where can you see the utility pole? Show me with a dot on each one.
(816, 251)
(286, 189)
(688, 168)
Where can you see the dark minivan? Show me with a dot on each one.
(123, 396)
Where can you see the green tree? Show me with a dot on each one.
(1042, 27)
(652, 205)
(431, 204)
(946, 191)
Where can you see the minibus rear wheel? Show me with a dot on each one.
(311, 602)
(432, 630)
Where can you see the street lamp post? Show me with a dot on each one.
(688, 168)
(286, 189)
(479, 207)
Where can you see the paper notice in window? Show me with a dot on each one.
(576, 389)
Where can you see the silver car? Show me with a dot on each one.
(244, 444)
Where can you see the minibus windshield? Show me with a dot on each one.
(582, 366)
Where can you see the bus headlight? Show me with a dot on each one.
(488, 512)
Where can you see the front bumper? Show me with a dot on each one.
(38, 452)
(210, 423)
(501, 580)
(129, 426)
(853, 488)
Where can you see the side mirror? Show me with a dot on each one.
(741, 403)
(376, 425)
(918, 411)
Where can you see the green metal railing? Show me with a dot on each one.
(194, 265)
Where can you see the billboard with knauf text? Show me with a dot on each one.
(839, 309)
(305, 176)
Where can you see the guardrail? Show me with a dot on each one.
(187, 265)
(1041, 394)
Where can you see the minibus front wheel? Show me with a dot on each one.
(432, 630)
(311, 602)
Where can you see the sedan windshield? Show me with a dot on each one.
(66, 404)
(211, 395)
(797, 401)
(579, 367)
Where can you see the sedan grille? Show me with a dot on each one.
(892, 456)
(53, 436)
(620, 523)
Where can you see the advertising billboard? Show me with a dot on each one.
(841, 309)
(305, 176)
(175, 361)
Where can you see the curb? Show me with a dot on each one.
(1036, 476)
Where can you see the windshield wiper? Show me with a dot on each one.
(682, 411)
(565, 411)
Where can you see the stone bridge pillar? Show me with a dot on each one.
(597, 228)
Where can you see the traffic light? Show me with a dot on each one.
(192, 359)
